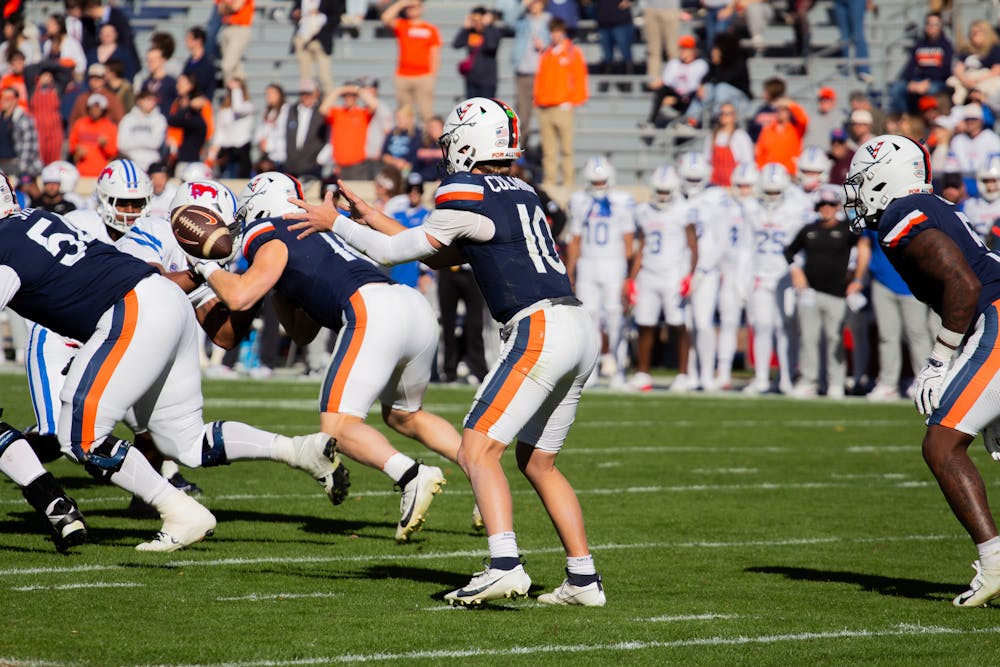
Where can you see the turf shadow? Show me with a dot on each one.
(891, 586)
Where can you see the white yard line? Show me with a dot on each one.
(264, 597)
(686, 617)
(69, 587)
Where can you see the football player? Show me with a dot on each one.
(946, 265)
(331, 285)
(775, 221)
(602, 228)
(668, 254)
(983, 210)
(496, 223)
(813, 170)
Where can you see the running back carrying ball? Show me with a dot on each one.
(201, 232)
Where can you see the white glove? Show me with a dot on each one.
(929, 383)
(203, 267)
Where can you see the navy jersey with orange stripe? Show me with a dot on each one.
(518, 266)
(322, 271)
(68, 280)
(906, 217)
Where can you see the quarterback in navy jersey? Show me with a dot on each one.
(495, 223)
(321, 281)
(946, 265)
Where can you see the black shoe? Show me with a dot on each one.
(188, 487)
(341, 484)
(68, 526)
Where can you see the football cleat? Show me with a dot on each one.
(883, 392)
(418, 493)
(640, 382)
(682, 383)
(588, 595)
(178, 481)
(478, 524)
(984, 587)
(317, 455)
(68, 526)
(491, 584)
(185, 521)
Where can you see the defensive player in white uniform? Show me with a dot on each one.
(783, 210)
(736, 272)
(712, 212)
(496, 223)
(172, 413)
(983, 211)
(813, 170)
(668, 254)
(601, 234)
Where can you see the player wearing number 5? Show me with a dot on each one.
(602, 226)
(495, 222)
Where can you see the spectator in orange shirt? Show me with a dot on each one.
(93, 138)
(781, 141)
(349, 128)
(560, 86)
(419, 55)
(237, 16)
(97, 85)
(14, 78)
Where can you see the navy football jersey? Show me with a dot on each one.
(518, 266)
(322, 271)
(68, 280)
(904, 218)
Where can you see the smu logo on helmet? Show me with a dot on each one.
(199, 189)
(107, 171)
(874, 149)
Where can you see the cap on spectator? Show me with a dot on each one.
(828, 194)
(368, 82)
(97, 69)
(415, 181)
(862, 117)
(158, 168)
(972, 112)
(98, 99)
(826, 94)
(927, 102)
(356, 83)
(838, 134)
(307, 86)
(687, 42)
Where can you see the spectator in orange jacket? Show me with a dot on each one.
(93, 139)
(781, 141)
(560, 86)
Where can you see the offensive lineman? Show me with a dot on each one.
(496, 223)
(946, 265)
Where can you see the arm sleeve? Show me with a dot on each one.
(9, 284)
(406, 246)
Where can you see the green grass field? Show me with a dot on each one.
(728, 530)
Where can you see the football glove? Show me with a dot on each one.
(929, 383)
(686, 285)
(991, 440)
(203, 268)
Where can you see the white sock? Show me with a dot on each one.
(580, 565)
(138, 477)
(246, 442)
(397, 465)
(20, 463)
(503, 545)
(989, 553)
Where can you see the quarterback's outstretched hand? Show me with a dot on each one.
(203, 268)
(361, 211)
(928, 385)
(314, 217)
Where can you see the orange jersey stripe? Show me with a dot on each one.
(906, 230)
(536, 341)
(974, 390)
(257, 232)
(451, 196)
(89, 424)
(347, 365)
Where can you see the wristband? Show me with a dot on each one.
(941, 352)
(950, 338)
(206, 269)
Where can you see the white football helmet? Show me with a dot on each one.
(196, 171)
(883, 169)
(744, 181)
(266, 196)
(694, 171)
(665, 183)
(774, 180)
(479, 130)
(121, 183)
(62, 172)
(988, 178)
(813, 167)
(599, 174)
(8, 199)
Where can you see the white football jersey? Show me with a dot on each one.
(664, 229)
(602, 223)
(774, 227)
(152, 240)
(89, 222)
(159, 205)
(982, 214)
(712, 210)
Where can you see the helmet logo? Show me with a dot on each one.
(107, 171)
(198, 189)
(874, 149)
(462, 110)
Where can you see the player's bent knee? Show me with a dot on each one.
(104, 459)
(213, 447)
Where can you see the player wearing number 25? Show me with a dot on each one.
(945, 265)
(495, 222)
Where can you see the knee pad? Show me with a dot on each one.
(105, 459)
(213, 448)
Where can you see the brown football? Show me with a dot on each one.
(201, 232)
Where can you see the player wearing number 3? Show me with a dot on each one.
(495, 222)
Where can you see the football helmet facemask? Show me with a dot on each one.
(665, 183)
(694, 171)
